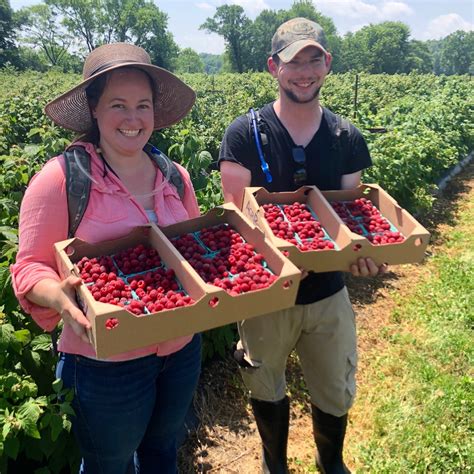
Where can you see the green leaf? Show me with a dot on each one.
(28, 415)
(11, 447)
(56, 426)
(23, 336)
(57, 385)
(41, 343)
(67, 425)
(6, 429)
(42, 470)
(67, 409)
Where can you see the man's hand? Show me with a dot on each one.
(367, 267)
(304, 273)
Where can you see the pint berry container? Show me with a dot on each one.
(324, 231)
(138, 317)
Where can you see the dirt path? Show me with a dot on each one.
(227, 441)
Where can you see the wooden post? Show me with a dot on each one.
(356, 87)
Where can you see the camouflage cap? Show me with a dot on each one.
(294, 35)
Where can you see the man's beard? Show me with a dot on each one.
(294, 98)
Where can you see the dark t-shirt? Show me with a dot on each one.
(324, 167)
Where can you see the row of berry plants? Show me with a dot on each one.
(427, 129)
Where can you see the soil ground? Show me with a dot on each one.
(226, 440)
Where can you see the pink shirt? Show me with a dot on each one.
(112, 212)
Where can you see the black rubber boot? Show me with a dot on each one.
(329, 432)
(273, 419)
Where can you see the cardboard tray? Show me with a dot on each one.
(213, 306)
(350, 245)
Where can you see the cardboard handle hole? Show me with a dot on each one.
(356, 247)
(287, 284)
(213, 302)
(70, 250)
(307, 191)
(418, 242)
(111, 323)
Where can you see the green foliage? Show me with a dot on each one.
(248, 43)
(188, 61)
(429, 128)
(377, 48)
(41, 29)
(216, 342)
(457, 53)
(212, 62)
(141, 22)
(34, 408)
(8, 50)
(232, 24)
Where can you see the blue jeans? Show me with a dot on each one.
(129, 414)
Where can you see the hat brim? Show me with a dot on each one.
(287, 54)
(173, 99)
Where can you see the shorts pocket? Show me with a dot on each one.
(350, 379)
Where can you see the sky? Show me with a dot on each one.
(427, 19)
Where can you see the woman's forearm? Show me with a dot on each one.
(49, 294)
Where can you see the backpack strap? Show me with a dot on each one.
(78, 185)
(257, 130)
(339, 128)
(166, 166)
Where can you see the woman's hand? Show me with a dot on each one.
(68, 309)
(61, 296)
(367, 267)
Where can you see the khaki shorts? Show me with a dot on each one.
(324, 337)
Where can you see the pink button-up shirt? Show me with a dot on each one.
(112, 212)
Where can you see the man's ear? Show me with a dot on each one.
(272, 66)
(328, 61)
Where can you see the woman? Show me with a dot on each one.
(129, 408)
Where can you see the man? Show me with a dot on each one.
(304, 147)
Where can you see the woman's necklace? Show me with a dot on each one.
(106, 164)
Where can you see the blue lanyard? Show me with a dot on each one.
(264, 164)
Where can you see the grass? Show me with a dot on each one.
(418, 404)
(413, 411)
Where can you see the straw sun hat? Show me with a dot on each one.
(173, 99)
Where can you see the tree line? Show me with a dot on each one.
(59, 33)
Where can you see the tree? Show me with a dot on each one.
(97, 22)
(41, 29)
(307, 9)
(354, 53)
(82, 18)
(377, 48)
(189, 61)
(457, 53)
(212, 62)
(257, 43)
(230, 22)
(8, 51)
(419, 57)
(248, 44)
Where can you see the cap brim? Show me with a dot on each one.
(172, 102)
(287, 54)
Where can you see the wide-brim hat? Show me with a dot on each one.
(296, 34)
(173, 99)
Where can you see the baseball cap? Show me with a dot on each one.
(294, 35)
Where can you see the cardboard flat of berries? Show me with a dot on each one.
(142, 291)
(329, 230)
